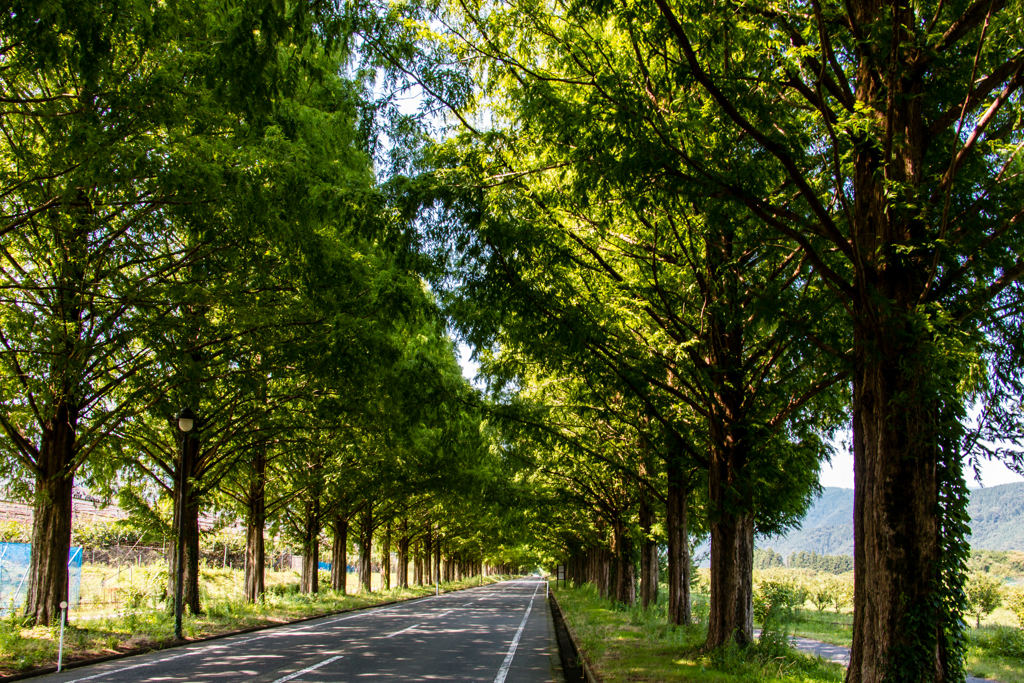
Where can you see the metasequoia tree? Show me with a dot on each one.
(881, 142)
(99, 152)
(900, 155)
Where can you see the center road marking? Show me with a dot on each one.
(395, 633)
(444, 613)
(503, 671)
(308, 669)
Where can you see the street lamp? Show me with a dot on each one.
(186, 421)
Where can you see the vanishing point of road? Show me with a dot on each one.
(496, 633)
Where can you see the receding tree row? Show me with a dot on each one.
(690, 241)
(193, 227)
(696, 239)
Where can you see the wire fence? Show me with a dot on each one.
(15, 559)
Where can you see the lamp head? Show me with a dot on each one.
(186, 420)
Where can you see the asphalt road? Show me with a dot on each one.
(500, 633)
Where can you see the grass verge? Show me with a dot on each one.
(995, 651)
(631, 644)
(139, 630)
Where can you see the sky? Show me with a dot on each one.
(840, 472)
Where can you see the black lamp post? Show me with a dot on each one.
(186, 420)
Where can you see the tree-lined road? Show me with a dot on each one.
(492, 633)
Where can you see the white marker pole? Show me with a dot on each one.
(60, 648)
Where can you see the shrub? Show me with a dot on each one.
(13, 531)
(1015, 601)
(774, 602)
(842, 594)
(822, 593)
(984, 593)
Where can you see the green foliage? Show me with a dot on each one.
(1015, 601)
(833, 564)
(1002, 641)
(767, 559)
(774, 603)
(13, 531)
(827, 591)
(984, 594)
(1001, 563)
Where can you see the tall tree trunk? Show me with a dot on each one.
(678, 542)
(51, 521)
(190, 527)
(625, 565)
(897, 543)
(732, 544)
(366, 546)
(385, 560)
(310, 581)
(339, 555)
(648, 555)
(428, 555)
(403, 555)
(256, 519)
(899, 609)
(437, 560)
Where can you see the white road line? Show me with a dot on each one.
(308, 669)
(396, 633)
(129, 668)
(444, 613)
(271, 633)
(503, 671)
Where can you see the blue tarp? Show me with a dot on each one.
(14, 562)
(325, 566)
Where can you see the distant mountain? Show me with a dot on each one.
(997, 517)
(997, 522)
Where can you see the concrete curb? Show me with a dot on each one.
(42, 671)
(588, 670)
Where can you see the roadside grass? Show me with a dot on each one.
(631, 644)
(995, 651)
(826, 626)
(140, 627)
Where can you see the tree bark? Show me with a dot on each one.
(732, 543)
(339, 555)
(256, 520)
(190, 527)
(366, 548)
(310, 581)
(676, 522)
(428, 555)
(403, 555)
(437, 560)
(385, 560)
(897, 539)
(51, 522)
(625, 565)
(648, 556)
